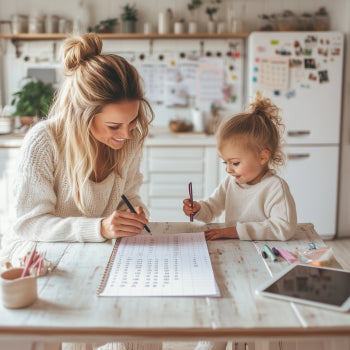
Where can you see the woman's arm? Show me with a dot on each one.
(36, 201)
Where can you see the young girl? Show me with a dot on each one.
(258, 204)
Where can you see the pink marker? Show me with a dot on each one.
(286, 255)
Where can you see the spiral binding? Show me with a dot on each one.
(108, 267)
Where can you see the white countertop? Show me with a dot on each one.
(11, 140)
(156, 137)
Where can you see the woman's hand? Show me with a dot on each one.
(187, 207)
(123, 223)
(216, 233)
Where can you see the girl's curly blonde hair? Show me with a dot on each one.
(259, 127)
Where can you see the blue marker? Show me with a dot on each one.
(275, 251)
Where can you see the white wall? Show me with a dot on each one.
(248, 9)
(148, 10)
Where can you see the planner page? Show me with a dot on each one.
(160, 265)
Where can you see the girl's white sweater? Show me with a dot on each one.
(264, 211)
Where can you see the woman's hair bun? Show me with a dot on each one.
(78, 49)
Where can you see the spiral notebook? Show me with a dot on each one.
(159, 265)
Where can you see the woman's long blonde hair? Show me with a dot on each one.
(93, 80)
(259, 128)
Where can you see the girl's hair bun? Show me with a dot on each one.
(78, 49)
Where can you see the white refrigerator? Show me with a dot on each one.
(302, 73)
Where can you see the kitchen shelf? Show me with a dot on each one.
(58, 36)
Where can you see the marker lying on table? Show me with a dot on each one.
(134, 211)
(270, 253)
(286, 255)
(275, 251)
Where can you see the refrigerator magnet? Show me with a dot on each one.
(323, 76)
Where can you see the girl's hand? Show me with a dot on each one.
(123, 223)
(187, 207)
(216, 233)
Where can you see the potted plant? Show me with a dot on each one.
(129, 18)
(32, 101)
(105, 26)
(210, 11)
(192, 6)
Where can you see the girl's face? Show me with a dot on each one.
(112, 126)
(245, 165)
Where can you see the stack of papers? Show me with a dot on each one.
(160, 265)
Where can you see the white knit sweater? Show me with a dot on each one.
(264, 211)
(45, 209)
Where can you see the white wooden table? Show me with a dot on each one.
(69, 310)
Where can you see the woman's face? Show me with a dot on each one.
(113, 124)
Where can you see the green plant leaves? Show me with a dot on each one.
(34, 99)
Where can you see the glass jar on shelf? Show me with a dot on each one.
(305, 21)
(321, 20)
(287, 21)
(268, 22)
(51, 24)
(35, 24)
(19, 24)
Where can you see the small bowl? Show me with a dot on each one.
(180, 125)
(17, 291)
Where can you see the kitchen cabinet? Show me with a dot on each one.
(168, 169)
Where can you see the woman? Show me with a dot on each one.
(75, 166)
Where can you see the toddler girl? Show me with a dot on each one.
(258, 204)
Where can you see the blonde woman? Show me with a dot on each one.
(75, 166)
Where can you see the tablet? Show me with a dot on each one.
(313, 285)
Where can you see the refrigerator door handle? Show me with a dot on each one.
(292, 156)
(298, 132)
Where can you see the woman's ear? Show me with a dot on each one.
(264, 156)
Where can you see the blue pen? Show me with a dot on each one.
(275, 251)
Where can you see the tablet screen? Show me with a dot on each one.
(315, 284)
